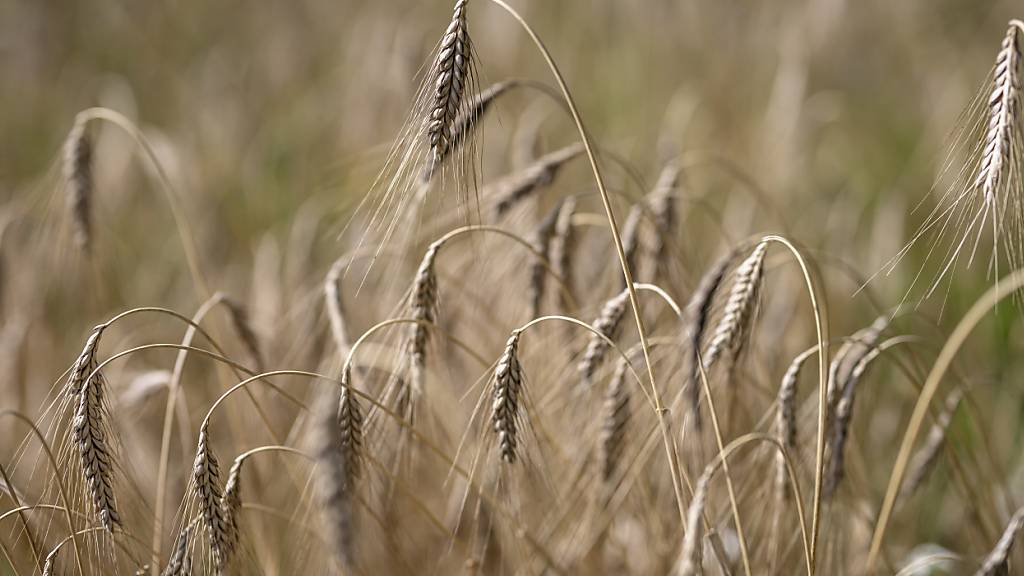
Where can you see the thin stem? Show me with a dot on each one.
(24, 521)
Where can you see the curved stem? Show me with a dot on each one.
(187, 238)
(993, 296)
(58, 478)
(614, 228)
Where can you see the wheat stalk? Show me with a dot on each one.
(206, 478)
(997, 561)
(515, 188)
(450, 73)
(606, 323)
(78, 174)
(333, 303)
(508, 382)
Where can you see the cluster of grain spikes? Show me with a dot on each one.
(423, 302)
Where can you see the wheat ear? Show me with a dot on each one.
(423, 304)
(663, 208)
(562, 244)
(786, 421)
(924, 460)
(240, 322)
(542, 244)
(350, 429)
(615, 416)
(206, 476)
(508, 383)
(450, 74)
(841, 428)
(89, 433)
(78, 174)
(180, 562)
(515, 188)
(730, 334)
(690, 557)
(1003, 109)
(606, 323)
(334, 492)
(997, 561)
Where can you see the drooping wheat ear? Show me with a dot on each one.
(841, 428)
(698, 313)
(1003, 111)
(206, 476)
(334, 494)
(614, 422)
(786, 421)
(465, 123)
(732, 329)
(240, 323)
(849, 354)
(562, 244)
(423, 305)
(607, 323)
(333, 303)
(924, 460)
(89, 433)
(542, 244)
(517, 187)
(690, 559)
(631, 239)
(508, 383)
(78, 174)
(350, 430)
(48, 564)
(450, 75)
(231, 501)
(180, 562)
(997, 561)
(663, 208)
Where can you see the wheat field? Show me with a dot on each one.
(511, 287)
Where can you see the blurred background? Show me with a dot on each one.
(827, 120)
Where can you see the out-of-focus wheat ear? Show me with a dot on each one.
(449, 75)
(562, 245)
(423, 306)
(89, 435)
(698, 312)
(1003, 105)
(79, 178)
(690, 559)
(997, 561)
(333, 491)
(631, 240)
(663, 209)
(841, 429)
(206, 477)
(240, 323)
(849, 354)
(786, 421)
(731, 332)
(180, 562)
(513, 189)
(466, 122)
(924, 460)
(608, 323)
(350, 430)
(615, 416)
(541, 242)
(335, 310)
(508, 383)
